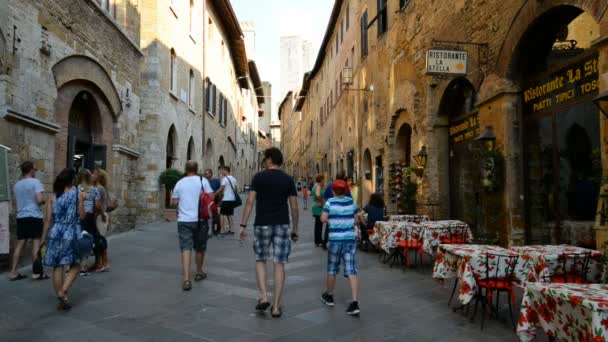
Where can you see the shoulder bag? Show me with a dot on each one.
(237, 198)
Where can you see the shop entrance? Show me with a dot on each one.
(457, 105)
(561, 125)
(84, 125)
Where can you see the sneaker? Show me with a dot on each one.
(327, 299)
(353, 309)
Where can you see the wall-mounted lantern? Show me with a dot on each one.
(487, 138)
(421, 158)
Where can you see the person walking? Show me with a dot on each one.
(193, 232)
(228, 188)
(305, 197)
(28, 196)
(92, 203)
(317, 209)
(64, 211)
(215, 184)
(274, 194)
(353, 189)
(341, 213)
(327, 194)
(102, 207)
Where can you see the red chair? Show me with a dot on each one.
(574, 268)
(411, 241)
(454, 236)
(498, 280)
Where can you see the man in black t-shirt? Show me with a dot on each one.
(272, 189)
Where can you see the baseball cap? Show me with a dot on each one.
(339, 185)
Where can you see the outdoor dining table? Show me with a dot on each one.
(464, 262)
(388, 233)
(540, 262)
(409, 218)
(567, 312)
(437, 232)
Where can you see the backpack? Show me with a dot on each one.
(205, 204)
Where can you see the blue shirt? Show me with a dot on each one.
(342, 211)
(215, 184)
(25, 195)
(374, 214)
(92, 195)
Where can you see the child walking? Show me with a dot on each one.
(341, 214)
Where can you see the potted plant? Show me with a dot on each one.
(168, 179)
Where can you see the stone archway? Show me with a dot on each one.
(77, 77)
(190, 152)
(171, 148)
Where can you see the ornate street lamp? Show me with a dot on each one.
(602, 102)
(421, 158)
(487, 138)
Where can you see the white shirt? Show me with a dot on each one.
(229, 190)
(187, 191)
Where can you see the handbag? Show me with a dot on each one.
(102, 226)
(237, 198)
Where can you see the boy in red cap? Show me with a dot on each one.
(340, 212)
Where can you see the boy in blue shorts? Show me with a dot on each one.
(340, 212)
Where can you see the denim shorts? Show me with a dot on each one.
(342, 251)
(275, 235)
(193, 235)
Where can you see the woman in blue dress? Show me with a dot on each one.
(65, 210)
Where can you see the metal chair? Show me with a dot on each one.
(499, 280)
(574, 268)
(412, 241)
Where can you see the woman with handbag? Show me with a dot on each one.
(64, 211)
(102, 218)
(92, 201)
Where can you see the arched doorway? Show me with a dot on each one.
(209, 154)
(403, 147)
(190, 152)
(84, 130)
(457, 108)
(557, 69)
(170, 150)
(221, 162)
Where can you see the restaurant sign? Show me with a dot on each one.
(453, 62)
(563, 87)
(464, 129)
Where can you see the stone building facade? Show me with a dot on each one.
(135, 87)
(533, 69)
(69, 85)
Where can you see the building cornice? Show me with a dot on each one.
(126, 151)
(31, 121)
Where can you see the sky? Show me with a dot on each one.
(276, 18)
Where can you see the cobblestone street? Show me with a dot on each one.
(141, 299)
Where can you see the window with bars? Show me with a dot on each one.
(364, 35)
(382, 17)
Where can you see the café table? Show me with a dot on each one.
(409, 218)
(463, 262)
(388, 233)
(567, 312)
(437, 232)
(540, 262)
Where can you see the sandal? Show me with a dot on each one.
(63, 304)
(200, 276)
(262, 306)
(187, 285)
(277, 315)
(42, 276)
(19, 276)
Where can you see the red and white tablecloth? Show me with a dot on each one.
(467, 261)
(540, 262)
(437, 232)
(568, 312)
(409, 218)
(388, 234)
